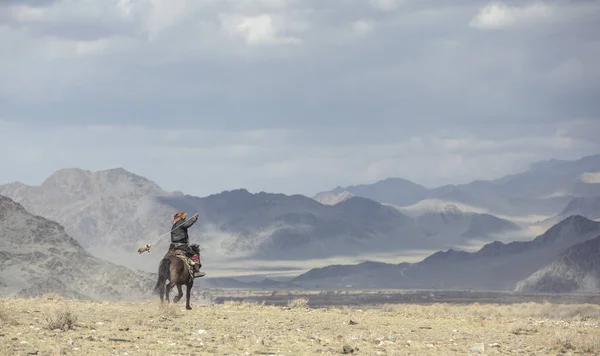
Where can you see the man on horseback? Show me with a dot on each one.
(180, 240)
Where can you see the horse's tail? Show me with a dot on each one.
(164, 270)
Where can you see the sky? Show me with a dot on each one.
(296, 96)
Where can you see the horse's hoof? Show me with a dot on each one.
(188, 307)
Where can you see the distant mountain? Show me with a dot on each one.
(395, 191)
(496, 266)
(111, 208)
(451, 221)
(37, 256)
(332, 198)
(544, 189)
(575, 270)
(588, 207)
(278, 226)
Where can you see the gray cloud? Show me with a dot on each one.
(375, 83)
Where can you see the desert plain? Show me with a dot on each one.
(52, 325)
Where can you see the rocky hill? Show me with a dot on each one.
(496, 266)
(577, 269)
(332, 198)
(37, 256)
(106, 209)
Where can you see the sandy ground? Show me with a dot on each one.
(53, 326)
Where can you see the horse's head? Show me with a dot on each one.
(196, 250)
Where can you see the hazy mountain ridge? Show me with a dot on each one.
(495, 266)
(577, 269)
(544, 189)
(464, 225)
(278, 226)
(395, 191)
(37, 256)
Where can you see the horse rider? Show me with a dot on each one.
(180, 238)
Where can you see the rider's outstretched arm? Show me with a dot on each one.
(190, 222)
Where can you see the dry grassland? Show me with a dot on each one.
(54, 326)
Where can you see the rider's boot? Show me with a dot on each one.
(196, 268)
(197, 272)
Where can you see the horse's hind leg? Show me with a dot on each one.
(179, 294)
(188, 291)
(168, 289)
(162, 294)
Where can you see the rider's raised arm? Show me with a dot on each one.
(190, 222)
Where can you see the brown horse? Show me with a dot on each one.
(173, 269)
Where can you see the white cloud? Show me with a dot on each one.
(256, 30)
(497, 15)
(362, 27)
(160, 15)
(385, 5)
(24, 13)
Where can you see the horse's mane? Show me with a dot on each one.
(195, 248)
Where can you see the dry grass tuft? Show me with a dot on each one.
(52, 296)
(6, 316)
(298, 303)
(62, 319)
(168, 311)
(244, 304)
(569, 340)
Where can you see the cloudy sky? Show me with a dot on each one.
(296, 96)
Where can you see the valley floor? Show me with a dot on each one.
(53, 326)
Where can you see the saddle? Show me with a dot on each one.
(191, 262)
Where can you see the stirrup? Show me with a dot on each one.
(199, 274)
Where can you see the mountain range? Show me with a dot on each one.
(543, 190)
(111, 213)
(569, 247)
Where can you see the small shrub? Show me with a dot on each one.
(62, 318)
(387, 308)
(524, 329)
(298, 303)
(567, 340)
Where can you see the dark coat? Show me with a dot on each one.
(179, 232)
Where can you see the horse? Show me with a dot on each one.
(174, 269)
